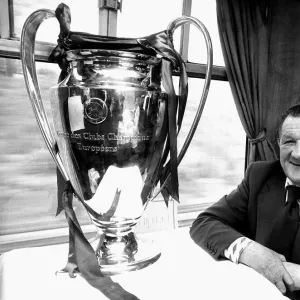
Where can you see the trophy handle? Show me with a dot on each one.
(28, 35)
(170, 31)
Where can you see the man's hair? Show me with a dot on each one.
(293, 111)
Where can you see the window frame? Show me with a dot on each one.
(10, 48)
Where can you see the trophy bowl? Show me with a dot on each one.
(111, 116)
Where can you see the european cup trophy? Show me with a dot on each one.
(116, 118)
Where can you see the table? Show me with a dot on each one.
(184, 271)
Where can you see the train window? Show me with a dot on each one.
(155, 19)
(28, 175)
(214, 162)
(205, 11)
(215, 157)
(207, 159)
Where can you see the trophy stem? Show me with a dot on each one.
(125, 253)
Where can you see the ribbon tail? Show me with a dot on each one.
(183, 91)
(172, 108)
(71, 266)
(82, 257)
(111, 289)
(81, 253)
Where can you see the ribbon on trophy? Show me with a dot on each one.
(82, 257)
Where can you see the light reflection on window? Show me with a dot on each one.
(205, 11)
(84, 17)
(140, 18)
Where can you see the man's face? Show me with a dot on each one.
(289, 144)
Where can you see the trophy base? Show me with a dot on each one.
(117, 255)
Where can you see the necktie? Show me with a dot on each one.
(286, 224)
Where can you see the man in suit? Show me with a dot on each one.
(257, 223)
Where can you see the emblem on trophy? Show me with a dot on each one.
(95, 110)
(116, 118)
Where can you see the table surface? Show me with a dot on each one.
(184, 271)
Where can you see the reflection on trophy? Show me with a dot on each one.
(111, 115)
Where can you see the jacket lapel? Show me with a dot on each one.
(269, 201)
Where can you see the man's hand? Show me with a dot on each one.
(294, 271)
(269, 264)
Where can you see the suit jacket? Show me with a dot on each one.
(249, 210)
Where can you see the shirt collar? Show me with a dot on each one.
(287, 183)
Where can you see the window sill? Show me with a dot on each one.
(186, 215)
(40, 238)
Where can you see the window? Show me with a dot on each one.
(28, 174)
(28, 180)
(205, 11)
(135, 21)
(212, 166)
(214, 162)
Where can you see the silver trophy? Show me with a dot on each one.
(109, 114)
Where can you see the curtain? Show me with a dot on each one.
(283, 77)
(260, 40)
